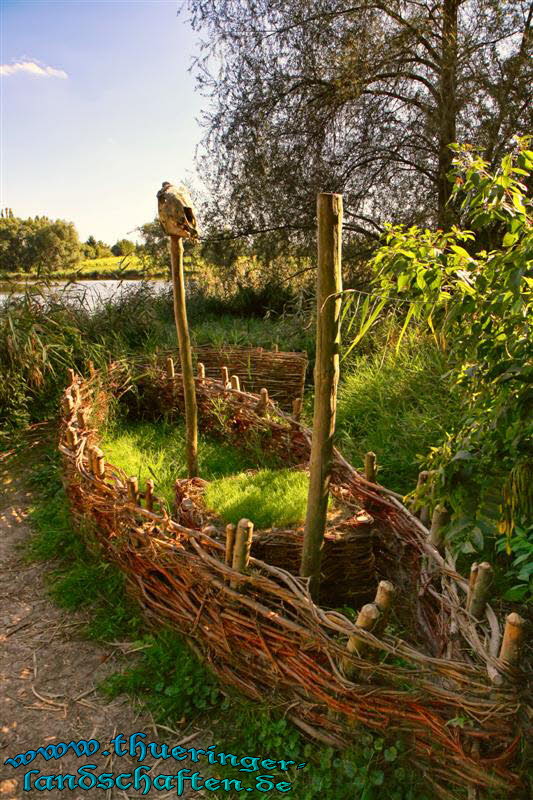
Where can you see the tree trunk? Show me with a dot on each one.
(447, 109)
(329, 282)
(189, 390)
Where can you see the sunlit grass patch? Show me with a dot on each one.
(268, 497)
(157, 450)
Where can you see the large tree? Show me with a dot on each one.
(357, 97)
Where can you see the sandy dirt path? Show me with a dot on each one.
(49, 672)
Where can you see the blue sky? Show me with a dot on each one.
(97, 109)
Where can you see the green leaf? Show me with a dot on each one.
(461, 251)
(509, 239)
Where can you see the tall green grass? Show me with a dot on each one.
(397, 403)
(41, 336)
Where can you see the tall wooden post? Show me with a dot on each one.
(329, 286)
(184, 341)
(177, 219)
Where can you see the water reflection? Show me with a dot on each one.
(88, 293)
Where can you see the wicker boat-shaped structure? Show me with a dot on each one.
(260, 631)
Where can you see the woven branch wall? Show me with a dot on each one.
(283, 374)
(266, 635)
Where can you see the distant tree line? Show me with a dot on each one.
(40, 244)
(37, 244)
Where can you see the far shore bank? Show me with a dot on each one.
(17, 279)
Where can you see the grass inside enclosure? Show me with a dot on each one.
(270, 498)
(157, 450)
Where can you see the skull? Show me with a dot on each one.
(175, 211)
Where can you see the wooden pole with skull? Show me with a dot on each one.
(178, 221)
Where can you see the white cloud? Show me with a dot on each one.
(32, 68)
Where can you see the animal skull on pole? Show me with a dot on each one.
(178, 221)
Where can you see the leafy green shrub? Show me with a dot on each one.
(476, 303)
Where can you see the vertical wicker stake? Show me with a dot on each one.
(81, 417)
(133, 490)
(230, 543)
(224, 376)
(297, 408)
(92, 370)
(235, 383)
(384, 600)
(474, 569)
(71, 375)
(99, 463)
(275, 347)
(241, 549)
(149, 495)
(438, 522)
(201, 372)
(513, 636)
(262, 405)
(72, 437)
(92, 459)
(178, 221)
(68, 404)
(370, 467)
(170, 369)
(367, 619)
(329, 286)
(423, 514)
(480, 591)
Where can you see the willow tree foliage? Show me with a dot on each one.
(361, 98)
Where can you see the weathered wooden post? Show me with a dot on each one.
(370, 467)
(242, 547)
(149, 495)
(178, 221)
(329, 286)
(480, 590)
(512, 638)
(367, 619)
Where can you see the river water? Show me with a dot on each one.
(90, 292)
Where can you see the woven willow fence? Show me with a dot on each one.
(440, 684)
